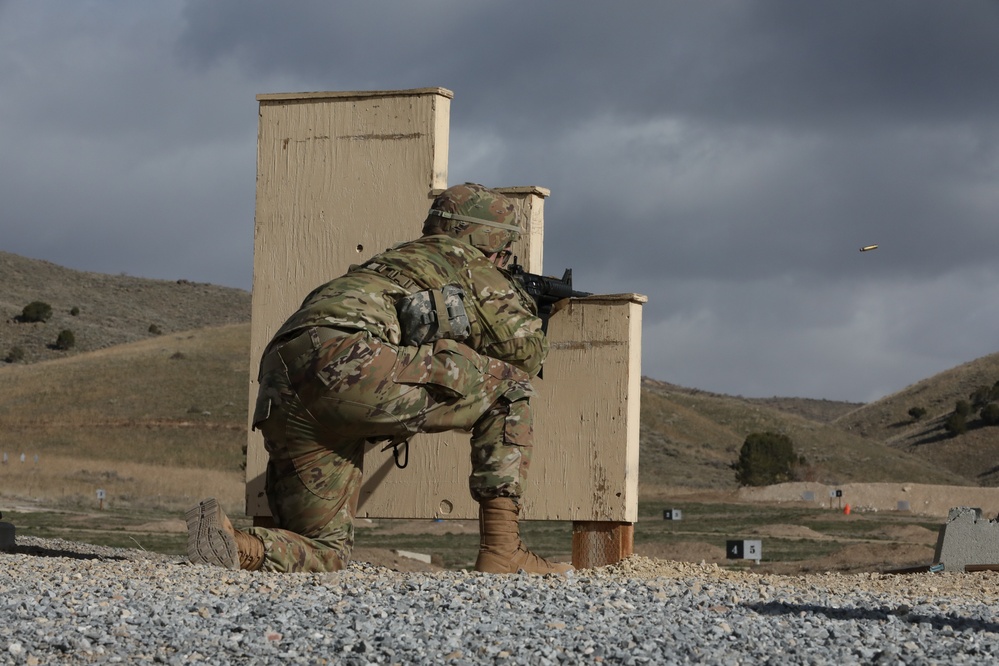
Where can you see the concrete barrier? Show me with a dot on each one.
(967, 539)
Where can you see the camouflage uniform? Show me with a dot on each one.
(336, 376)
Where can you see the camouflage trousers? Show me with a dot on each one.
(327, 393)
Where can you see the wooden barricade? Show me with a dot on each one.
(344, 175)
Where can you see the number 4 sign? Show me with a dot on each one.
(744, 550)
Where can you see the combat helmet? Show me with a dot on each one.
(485, 218)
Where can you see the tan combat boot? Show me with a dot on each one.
(500, 547)
(211, 539)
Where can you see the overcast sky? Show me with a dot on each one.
(726, 159)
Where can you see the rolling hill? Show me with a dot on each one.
(125, 393)
(109, 309)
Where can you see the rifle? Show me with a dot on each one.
(545, 290)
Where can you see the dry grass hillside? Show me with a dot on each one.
(111, 309)
(152, 412)
(690, 438)
(156, 423)
(973, 455)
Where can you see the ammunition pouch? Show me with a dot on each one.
(433, 314)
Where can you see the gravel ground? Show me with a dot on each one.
(80, 604)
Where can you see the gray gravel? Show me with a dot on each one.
(81, 604)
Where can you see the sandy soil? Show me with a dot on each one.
(923, 500)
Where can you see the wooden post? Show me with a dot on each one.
(600, 543)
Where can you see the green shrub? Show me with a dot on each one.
(990, 414)
(15, 355)
(66, 340)
(983, 395)
(74, 311)
(155, 330)
(956, 424)
(765, 458)
(917, 413)
(36, 311)
(962, 407)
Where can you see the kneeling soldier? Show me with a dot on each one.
(429, 336)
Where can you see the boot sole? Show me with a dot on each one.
(496, 564)
(207, 541)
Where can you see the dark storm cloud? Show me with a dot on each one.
(726, 158)
(839, 91)
(113, 145)
(780, 62)
(809, 126)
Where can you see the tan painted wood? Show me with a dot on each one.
(340, 177)
(585, 462)
(342, 94)
(343, 175)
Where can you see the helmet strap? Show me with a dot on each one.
(474, 220)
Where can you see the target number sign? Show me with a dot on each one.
(746, 549)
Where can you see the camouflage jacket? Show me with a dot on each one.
(502, 316)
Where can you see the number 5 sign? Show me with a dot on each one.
(744, 550)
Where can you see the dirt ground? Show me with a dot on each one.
(853, 558)
(899, 547)
(903, 546)
(923, 500)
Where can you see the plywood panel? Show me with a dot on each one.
(342, 176)
(585, 464)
